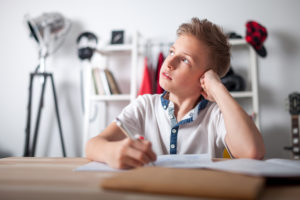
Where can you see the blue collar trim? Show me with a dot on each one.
(164, 102)
(203, 103)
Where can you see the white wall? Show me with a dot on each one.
(278, 73)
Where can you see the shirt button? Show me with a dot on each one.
(172, 146)
(165, 106)
(174, 130)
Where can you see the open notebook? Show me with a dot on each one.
(266, 168)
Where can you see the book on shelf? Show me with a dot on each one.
(114, 88)
(98, 85)
(105, 83)
(94, 82)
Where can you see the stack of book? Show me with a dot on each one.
(104, 82)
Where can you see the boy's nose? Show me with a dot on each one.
(172, 63)
(170, 67)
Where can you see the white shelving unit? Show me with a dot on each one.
(111, 50)
(253, 92)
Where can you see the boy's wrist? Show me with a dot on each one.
(218, 90)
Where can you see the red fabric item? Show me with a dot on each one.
(256, 34)
(159, 90)
(146, 86)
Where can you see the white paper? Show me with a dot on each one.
(286, 162)
(183, 161)
(96, 166)
(175, 161)
(268, 168)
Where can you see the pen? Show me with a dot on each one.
(128, 133)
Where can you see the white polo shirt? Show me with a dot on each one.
(201, 131)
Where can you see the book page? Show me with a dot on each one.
(285, 162)
(257, 167)
(183, 161)
(267, 168)
(173, 161)
(96, 166)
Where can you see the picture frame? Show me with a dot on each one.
(117, 37)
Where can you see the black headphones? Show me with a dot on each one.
(87, 43)
(233, 82)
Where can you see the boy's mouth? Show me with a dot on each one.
(166, 75)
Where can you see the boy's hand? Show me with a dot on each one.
(130, 153)
(209, 81)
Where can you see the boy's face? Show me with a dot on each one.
(186, 63)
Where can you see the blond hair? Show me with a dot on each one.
(214, 38)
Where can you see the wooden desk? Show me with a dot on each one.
(53, 178)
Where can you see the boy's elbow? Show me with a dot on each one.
(87, 149)
(256, 153)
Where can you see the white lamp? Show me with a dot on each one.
(49, 30)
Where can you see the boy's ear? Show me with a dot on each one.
(199, 83)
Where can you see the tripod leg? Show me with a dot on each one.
(58, 118)
(39, 115)
(27, 137)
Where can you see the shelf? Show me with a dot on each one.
(246, 94)
(235, 42)
(128, 51)
(113, 97)
(117, 48)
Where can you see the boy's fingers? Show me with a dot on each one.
(152, 156)
(146, 147)
(141, 150)
(132, 163)
(142, 145)
(128, 163)
(138, 144)
(138, 155)
(149, 151)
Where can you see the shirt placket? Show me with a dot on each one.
(174, 130)
(169, 107)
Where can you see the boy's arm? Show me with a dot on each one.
(243, 138)
(112, 147)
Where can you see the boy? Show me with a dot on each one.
(196, 114)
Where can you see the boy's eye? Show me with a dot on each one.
(171, 52)
(185, 60)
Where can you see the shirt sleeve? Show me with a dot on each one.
(220, 130)
(133, 116)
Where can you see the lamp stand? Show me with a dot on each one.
(30, 151)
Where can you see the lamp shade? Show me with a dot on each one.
(49, 30)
